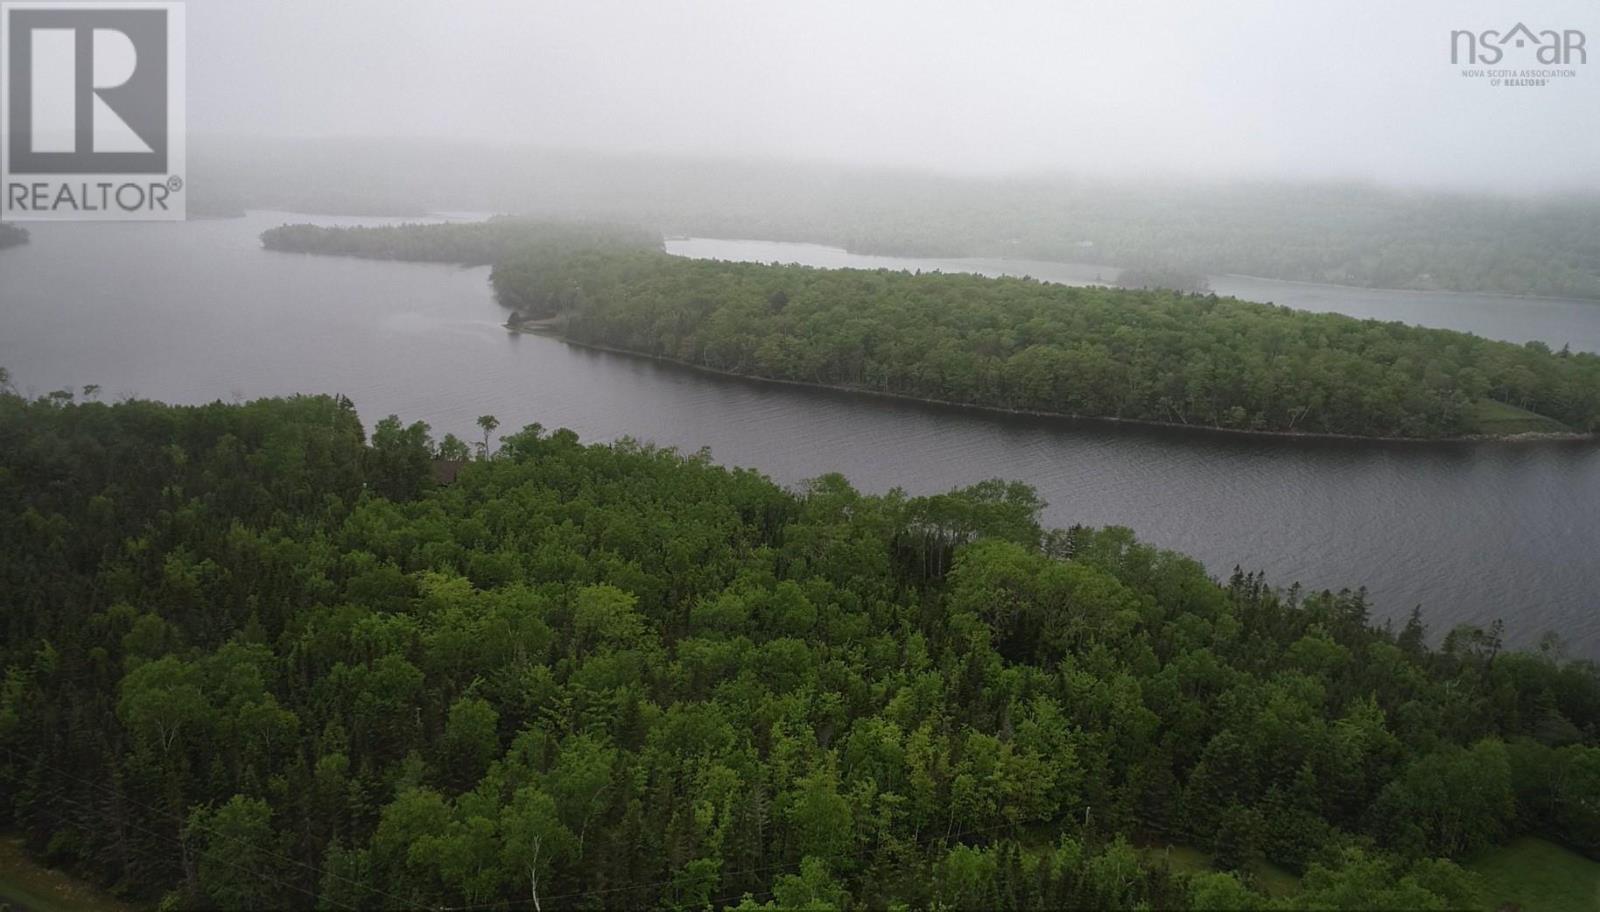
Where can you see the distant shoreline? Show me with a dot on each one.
(1009, 258)
(548, 327)
(1486, 293)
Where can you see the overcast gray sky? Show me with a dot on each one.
(1360, 90)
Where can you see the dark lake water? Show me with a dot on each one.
(196, 311)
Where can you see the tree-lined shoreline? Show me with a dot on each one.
(463, 243)
(551, 326)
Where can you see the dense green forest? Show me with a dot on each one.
(1195, 360)
(255, 660)
(466, 243)
(1341, 232)
(12, 235)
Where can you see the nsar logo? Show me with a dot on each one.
(1519, 57)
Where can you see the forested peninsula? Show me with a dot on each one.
(12, 235)
(254, 659)
(1014, 344)
(1024, 345)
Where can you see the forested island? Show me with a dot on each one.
(465, 243)
(12, 235)
(254, 659)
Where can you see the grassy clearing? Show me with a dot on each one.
(26, 884)
(1539, 876)
(1491, 416)
(1270, 879)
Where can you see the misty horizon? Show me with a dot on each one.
(1152, 181)
(1362, 94)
